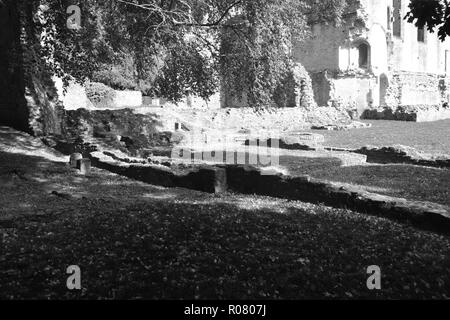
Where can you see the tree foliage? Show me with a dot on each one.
(170, 47)
(431, 14)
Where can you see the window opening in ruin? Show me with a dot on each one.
(397, 18)
(363, 49)
(389, 18)
(447, 61)
(421, 34)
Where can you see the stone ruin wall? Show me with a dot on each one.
(402, 72)
(366, 91)
(358, 93)
(409, 88)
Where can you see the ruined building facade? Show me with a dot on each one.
(375, 58)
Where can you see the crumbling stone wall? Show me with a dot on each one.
(297, 90)
(123, 130)
(322, 86)
(394, 69)
(393, 92)
(444, 89)
(351, 91)
(410, 88)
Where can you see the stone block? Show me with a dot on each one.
(74, 158)
(220, 181)
(84, 165)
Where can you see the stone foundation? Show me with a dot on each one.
(249, 180)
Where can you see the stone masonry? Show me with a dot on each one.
(376, 59)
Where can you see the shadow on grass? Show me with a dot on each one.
(133, 240)
(304, 166)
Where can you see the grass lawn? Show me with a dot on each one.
(396, 180)
(133, 240)
(431, 137)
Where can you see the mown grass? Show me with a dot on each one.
(429, 137)
(397, 180)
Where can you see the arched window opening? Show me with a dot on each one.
(364, 52)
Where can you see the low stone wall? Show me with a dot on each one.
(254, 121)
(402, 154)
(409, 113)
(249, 180)
(205, 179)
(134, 134)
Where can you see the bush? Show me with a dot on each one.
(100, 95)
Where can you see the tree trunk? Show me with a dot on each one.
(13, 106)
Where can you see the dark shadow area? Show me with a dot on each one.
(133, 240)
(395, 155)
(13, 106)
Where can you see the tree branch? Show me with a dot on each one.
(180, 17)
